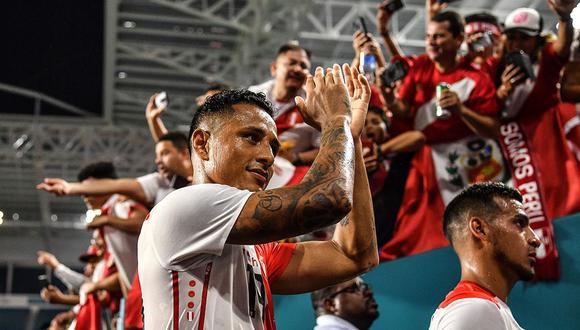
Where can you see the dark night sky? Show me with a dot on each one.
(55, 47)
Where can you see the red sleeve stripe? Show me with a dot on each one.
(175, 285)
(204, 296)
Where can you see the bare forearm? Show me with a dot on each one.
(156, 127)
(391, 45)
(352, 251)
(65, 299)
(565, 37)
(406, 142)
(128, 187)
(355, 234)
(322, 198)
(481, 125)
(110, 283)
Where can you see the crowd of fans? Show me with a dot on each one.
(487, 101)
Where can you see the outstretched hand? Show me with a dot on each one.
(56, 186)
(151, 111)
(359, 92)
(562, 8)
(327, 98)
(47, 258)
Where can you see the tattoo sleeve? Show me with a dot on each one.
(324, 196)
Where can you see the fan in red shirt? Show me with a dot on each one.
(532, 134)
(458, 149)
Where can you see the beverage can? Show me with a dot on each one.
(441, 113)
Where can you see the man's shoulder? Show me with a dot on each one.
(198, 192)
(468, 313)
(264, 87)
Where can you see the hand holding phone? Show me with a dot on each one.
(161, 100)
(391, 6)
(44, 282)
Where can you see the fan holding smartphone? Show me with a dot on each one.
(368, 54)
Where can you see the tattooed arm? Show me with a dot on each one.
(325, 194)
(352, 251)
(353, 248)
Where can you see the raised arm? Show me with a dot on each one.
(132, 224)
(432, 8)
(325, 194)
(383, 19)
(353, 248)
(369, 45)
(129, 187)
(563, 9)
(153, 115)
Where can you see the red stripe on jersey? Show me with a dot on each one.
(467, 289)
(175, 284)
(204, 295)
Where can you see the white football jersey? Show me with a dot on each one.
(469, 306)
(192, 279)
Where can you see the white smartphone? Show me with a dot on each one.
(161, 100)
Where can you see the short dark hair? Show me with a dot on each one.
(178, 139)
(456, 22)
(478, 199)
(292, 46)
(223, 102)
(99, 170)
(483, 17)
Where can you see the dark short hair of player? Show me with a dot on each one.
(178, 139)
(99, 170)
(456, 22)
(483, 17)
(292, 46)
(479, 200)
(222, 103)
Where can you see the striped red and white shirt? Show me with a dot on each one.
(192, 279)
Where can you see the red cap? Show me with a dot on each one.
(92, 252)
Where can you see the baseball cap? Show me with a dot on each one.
(525, 20)
(91, 253)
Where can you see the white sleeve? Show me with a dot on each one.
(150, 185)
(469, 313)
(192, 224)
(73, 280)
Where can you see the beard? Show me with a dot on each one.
(523, 272)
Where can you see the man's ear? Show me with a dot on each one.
(199, 143)
(329, 306)
(479, 228)
(273, 67)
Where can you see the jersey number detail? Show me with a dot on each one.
(255, 290)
